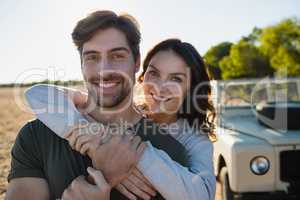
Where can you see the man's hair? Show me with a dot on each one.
(104, 19)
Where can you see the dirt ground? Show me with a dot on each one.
(12, 118)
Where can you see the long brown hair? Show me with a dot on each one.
(199, 76)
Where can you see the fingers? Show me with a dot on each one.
(72, 138)
(73, 191)
(98, 178)
(139, 174)
(142, 185)
(134, 189)
(84, 143)
(135, 145)
(67, 135)
(85, 148)
(121, 188)
(81, 140)
(88, 134)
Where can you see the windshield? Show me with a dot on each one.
(240, 93)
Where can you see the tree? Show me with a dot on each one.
(281, 44)
(244, 60)
(263, 51)
(213, 57)
(254, 36)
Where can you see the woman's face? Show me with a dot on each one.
(166, 82)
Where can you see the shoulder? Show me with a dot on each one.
(33, 127)
(35, 131)
(191, 136)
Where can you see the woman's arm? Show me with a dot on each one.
(54, 106)
(168, 177)
(174, 181)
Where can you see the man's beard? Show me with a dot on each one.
(113, 101)
(121, 91)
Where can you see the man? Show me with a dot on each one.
(43, 165)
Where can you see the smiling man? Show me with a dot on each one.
(44, 166)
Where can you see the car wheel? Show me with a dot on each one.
(227, 194)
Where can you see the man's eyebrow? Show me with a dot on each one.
(89, 52)
(120, 49)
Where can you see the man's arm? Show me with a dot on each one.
(27, 188)
(26, 177)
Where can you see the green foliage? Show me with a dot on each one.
(281, 43)
(244, 60)
(263, 51)
(254, 36)
(213, 57)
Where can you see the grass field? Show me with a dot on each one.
(12, 118)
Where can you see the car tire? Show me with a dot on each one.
(227, 193)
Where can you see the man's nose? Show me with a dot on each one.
(103, 65)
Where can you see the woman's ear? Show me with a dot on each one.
(137, 64)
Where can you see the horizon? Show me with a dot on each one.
(38, 43)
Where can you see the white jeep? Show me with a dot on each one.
(257, 154)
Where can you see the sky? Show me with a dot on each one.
(35, 35)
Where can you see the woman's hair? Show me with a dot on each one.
(192, 109)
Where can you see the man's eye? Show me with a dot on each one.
(118, 56)
(91, 58)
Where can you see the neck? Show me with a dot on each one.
(123, 112)
(163, 118)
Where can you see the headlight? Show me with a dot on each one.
(260, 165)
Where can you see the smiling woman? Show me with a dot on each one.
(177, 85)
(168, 79)
(150, 157)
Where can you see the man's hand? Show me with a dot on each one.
(136, 185)
(105, 149)
(118, 157)
(80, 189)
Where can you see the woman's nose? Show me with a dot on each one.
(164, 88)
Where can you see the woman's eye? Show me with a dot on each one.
(177, 79)
(153, 73)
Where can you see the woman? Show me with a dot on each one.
(176, 89)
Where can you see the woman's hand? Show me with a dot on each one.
(136, 185)
(86, 138)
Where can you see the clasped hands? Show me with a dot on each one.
(114, 155)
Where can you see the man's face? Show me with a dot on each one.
(108, 67)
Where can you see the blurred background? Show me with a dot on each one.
(238, 39)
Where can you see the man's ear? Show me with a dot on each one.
(137, 63)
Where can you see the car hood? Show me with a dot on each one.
(248, 124)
